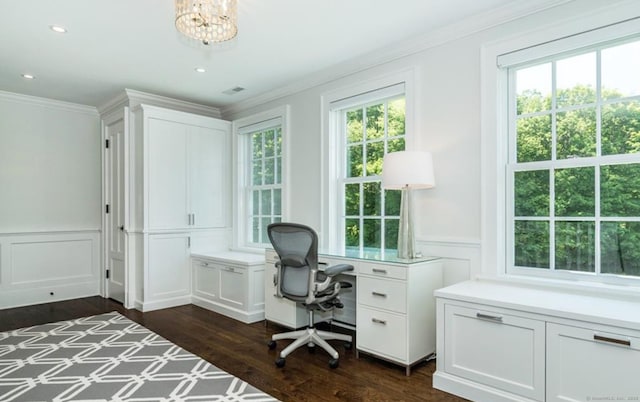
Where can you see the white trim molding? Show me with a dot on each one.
(49, 103)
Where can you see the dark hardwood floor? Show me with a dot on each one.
(241, 349)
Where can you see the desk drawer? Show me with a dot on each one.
(380, 293)
(382, 333)
(382, 271)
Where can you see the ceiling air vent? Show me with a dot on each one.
(233, 91)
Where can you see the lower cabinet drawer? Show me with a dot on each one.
(383, 293)
(597, 362)
(233, 286)
(382, 333)
(500, 350)
(206, 280)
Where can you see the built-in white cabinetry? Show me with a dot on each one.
(186, 169)
(230, 283)
(390, 300)
(495, 348)
(499, 341)
(179, 179)
(168, 276)
(396, 303)
(592, 361)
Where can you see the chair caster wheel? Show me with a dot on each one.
(348, 346)
(271, 345)
(280, 362)
(311, 349)
(333, 363)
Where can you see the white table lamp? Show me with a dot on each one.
(407, 170)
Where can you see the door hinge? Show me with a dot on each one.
(107, 275)
(106, 209)
(106, 143)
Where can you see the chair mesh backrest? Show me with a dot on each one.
(297, 247)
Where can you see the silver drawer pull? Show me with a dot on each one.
(494, 318)
(623, 342)
(377, 321)
(230, 269)
(379, 271)
(379, 294)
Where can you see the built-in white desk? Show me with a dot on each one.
(391, 305)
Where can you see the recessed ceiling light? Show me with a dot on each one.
(28, 76)
(58, 28)
(200, 70)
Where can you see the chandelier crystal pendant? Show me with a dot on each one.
(208, 21)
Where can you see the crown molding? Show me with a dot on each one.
(114, 104)
(48, 103)
(132, 98)
(460, 29)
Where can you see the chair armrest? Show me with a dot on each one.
(337, 269)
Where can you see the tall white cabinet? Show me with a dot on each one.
(180, 192)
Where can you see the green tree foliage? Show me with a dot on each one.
(574, 189)
(371, 129)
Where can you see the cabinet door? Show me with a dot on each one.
(587, 364)
(496, 349)
(233, 286)
(168, 273)
(206, 280)
(208, 176)
(167, 163)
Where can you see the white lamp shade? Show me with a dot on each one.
(407, 168)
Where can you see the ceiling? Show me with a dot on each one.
(116, 44)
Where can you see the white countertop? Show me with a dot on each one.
(231, 257)
(622, 312)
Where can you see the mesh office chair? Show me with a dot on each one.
(299, 279)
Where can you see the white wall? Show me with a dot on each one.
(50, 208)
(448, 96)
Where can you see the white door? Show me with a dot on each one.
(115, 218)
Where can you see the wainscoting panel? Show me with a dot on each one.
(44, 267)
(461, 258)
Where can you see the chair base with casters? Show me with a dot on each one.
(311, 337)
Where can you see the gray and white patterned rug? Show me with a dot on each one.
(108, 357)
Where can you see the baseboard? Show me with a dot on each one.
(243, 316)
(471, 390)
(11, 298)
(165, 303)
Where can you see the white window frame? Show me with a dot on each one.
(241, 129)
(538, 45)
(333, 144)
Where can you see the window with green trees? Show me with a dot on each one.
(370, 214)
(574, 165)
(264, 184)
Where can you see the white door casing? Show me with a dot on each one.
(114, 222)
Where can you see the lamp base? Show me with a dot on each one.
(406, 241)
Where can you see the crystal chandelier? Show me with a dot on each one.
(208, 21)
